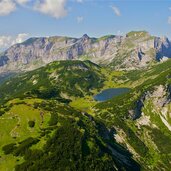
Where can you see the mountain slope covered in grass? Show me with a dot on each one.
(61, 79)
(145, 112)
(50, 120)
(46, 133)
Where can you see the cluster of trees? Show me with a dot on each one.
(19, 149)
(64, 151)
(78, 144)
(74, 78)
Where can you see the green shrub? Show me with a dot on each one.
(31, 124)
(24, 146)
(1, 113)
(9, 148)
(54, 119)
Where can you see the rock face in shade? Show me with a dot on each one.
(135, 50)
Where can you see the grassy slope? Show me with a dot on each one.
(47, 89)
(14, 127)
(114, 113)
(74, 131)
(145, 140)
(60, 79)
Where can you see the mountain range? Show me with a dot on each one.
(137, 49)
(50, 119)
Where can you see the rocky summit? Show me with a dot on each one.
(137, 49)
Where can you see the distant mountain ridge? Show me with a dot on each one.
(135, 50)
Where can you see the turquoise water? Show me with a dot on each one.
(110, 93)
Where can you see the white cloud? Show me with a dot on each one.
(9, 6)
(54, 8)
(169, 20)
(7, 41)
(80, 19)
(4, 41)
(116, 10)
(20, 38)
(6, 7)
(170, 8)
(22, 2)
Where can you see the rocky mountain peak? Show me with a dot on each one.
(85, 37)
(135, 50)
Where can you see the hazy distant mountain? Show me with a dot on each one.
(135, 50)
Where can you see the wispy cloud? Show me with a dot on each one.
(80, 19)
(22, 2)
(169, 20)
(119, 33)
(7, 41)
(116, 10)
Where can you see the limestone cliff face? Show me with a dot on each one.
(139, 49)
(163, 46)
(36, 52)
(156, 103)
(136, 49)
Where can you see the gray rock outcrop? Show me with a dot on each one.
(135, 50)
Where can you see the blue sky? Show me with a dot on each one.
(20, 19)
